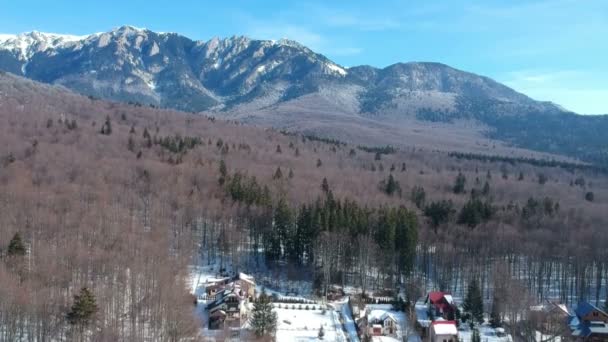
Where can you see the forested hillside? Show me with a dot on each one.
(285, 85)
(120, 199)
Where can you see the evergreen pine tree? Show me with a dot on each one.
(263, 319)
(290, 173)
(325, 185)
(521, 176)
(403, 168)
(319, 163)
(321, 333)
(16, 246)
(278, 174)
(83, 309)
(473, 303)
(106, 128)
(486, 189)
(223, 172)
(279, 149)
(392, 186)
(459, 184)
(418, 196)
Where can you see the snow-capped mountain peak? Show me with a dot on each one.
(25, 45)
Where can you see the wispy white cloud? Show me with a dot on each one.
(358, 22)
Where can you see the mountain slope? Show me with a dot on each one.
(280, 83)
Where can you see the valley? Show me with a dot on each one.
(129, 199)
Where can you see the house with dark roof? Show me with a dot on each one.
(551, 316)
(589, 323)
(229, 307)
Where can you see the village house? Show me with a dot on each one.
(435, 306)
(441, 304)
(443, 331)
(589, 323)
(377, 321)
(229, 301)
(552, 317)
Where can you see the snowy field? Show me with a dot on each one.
(303, 325)
(486, 332)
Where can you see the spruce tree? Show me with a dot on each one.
(319, 163)
(486, 189)
(106, 128)
(263, 319)
(290, 173)
(16, 246)
(83, 309)
(223, 172)
(439, 212)
(279, 149)
(459, 184)
(278, 174)
(321, 333)
(325, 185)
(473, 303)
(392, 186)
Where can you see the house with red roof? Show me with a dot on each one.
(441, 304)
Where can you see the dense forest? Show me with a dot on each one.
(103, 206)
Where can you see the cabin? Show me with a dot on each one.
(589, 323)
(230, 298)
(383, 324)
(443, 331)
(551, 316)
(246, 284)
(377, 321)
(441, 304)
(227, 310)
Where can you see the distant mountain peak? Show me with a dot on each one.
(136, 64)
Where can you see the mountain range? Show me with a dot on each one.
(287, 85)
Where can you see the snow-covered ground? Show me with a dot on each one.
(349, 323)
(486, 332)
(304, 325)
(422, 314)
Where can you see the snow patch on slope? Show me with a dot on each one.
(336, 69)
(25, 45)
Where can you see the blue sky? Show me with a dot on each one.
(550, 50)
